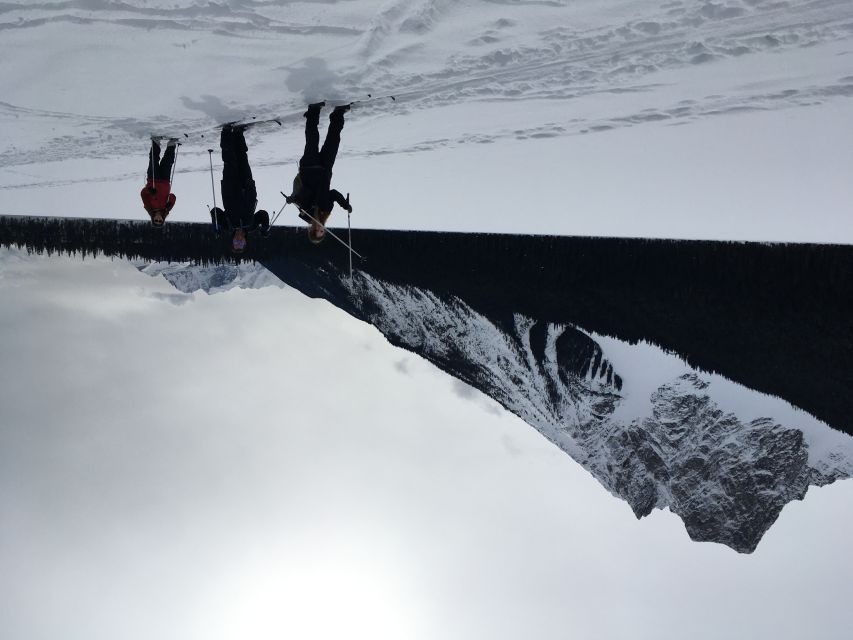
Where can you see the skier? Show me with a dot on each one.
(260, 223)
(239, 196)
(312, 191)
(156, 194)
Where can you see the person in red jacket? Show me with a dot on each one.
(156, 195)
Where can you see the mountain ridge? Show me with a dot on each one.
(728, 479)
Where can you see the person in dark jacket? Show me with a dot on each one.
(156, 194)
(312, 191)
(239, 235)
(239, 196)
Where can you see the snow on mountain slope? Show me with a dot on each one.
(726, 476)
(211, 279)
(652, 430)
(85, 83)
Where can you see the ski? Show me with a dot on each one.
(248, 124)
(160, 138)
(361, 101)
(371, 98)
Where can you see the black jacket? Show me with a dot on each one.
(312, 187)
(258, 220)
(239, 201)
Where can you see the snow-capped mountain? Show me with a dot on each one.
(211, 279)
(728, 478)
(651, 429)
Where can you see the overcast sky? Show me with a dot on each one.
(257, 464)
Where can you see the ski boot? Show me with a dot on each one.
(338, 112)
(314, 108)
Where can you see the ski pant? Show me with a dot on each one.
(160, 169)
(314, 156)
(239, 195)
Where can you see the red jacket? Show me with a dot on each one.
(160, 199)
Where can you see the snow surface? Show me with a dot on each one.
(687, 118)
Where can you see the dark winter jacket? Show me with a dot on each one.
(160, 199)
(239, 201)
(311, 188)
(260, 220)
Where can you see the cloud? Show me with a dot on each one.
(172, 298)
(510, 445)
(464, 391)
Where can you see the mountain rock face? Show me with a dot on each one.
(728, 480)
(727, 477)
(211, 279)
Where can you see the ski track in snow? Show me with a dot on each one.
(430, 54)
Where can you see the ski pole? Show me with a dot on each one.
(213, 190)
(349, 236)
(153, 190)
(280, 210)
(332, 233)
(174, 164)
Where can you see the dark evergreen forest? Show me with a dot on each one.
(777, 318)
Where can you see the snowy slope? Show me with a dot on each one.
(652, 430)
(563, 99)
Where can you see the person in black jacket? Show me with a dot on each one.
(239, 235)
(312, 191)
(239, 195)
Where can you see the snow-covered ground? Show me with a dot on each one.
(697, 119)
